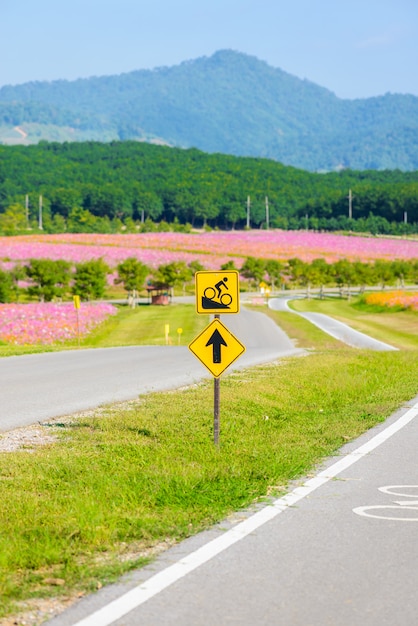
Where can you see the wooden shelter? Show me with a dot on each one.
(159, 294)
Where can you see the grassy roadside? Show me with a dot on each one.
(126, 479)
(146, 325)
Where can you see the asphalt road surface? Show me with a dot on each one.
(336, 329)
(36, 387)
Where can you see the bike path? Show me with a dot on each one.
(311, 557)
(333, 327)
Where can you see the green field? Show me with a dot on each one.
(125, 480)
(146, 325)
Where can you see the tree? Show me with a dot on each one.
(81, 221)
(344, 274)
(384, 272)
(401, 270)
(17, 273)
(318, 273)
(253, 269)
(233, 212)
(147, 205)
(50, 279)
(173, 274)
(229, 265)
(196, 266)
(132, 274)
(5, 286)
(274, 271)
(296, 270)
(13, 220)
(363, 274)
(90, 279)
(63, 199)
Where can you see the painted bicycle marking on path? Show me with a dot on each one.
(400, 510)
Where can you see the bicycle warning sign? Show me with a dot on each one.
(217, 292)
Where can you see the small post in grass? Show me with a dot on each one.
(179, 332)
(76, 300)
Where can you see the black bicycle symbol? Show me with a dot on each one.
(216, 297)
(400, 511)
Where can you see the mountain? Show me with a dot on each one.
(230, 103)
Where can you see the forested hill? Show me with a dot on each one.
(229, 103)
(84, 185)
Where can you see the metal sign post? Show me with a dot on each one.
(216, 347)
(216, 409)
(216, 404)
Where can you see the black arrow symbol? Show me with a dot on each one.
(216, 341)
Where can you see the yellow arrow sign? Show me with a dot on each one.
(216, 347)
(217, 292)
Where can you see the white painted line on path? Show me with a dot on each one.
(157, 583)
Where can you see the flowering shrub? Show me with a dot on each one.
(394, 299)
(211, 249)
(47, 323)
(113, 250)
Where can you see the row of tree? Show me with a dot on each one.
(94, 186)
(13, 221)
(319, 273)
(51, 280)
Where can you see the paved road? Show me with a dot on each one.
(321, 556)
(336, 329)
(40, 386)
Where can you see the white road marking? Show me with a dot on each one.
(390, 489)
(364, 512)
(157, 583)
(400, 505)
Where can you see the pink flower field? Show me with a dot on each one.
(211, 249)
(394, 299)
(47, 323)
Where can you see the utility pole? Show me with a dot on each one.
(267, 213)
(27, 210)
(248, 211)
(405, 217)
(40, 213)
(350, 205)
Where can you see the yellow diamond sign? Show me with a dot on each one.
(217, 292)
(216, 347)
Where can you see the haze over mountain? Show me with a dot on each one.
(230, 103)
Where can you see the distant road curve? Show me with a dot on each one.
(336, 329)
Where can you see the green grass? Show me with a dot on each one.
(145, 325)
(11, 350)
(130, 477)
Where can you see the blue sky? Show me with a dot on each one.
(355, 48)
